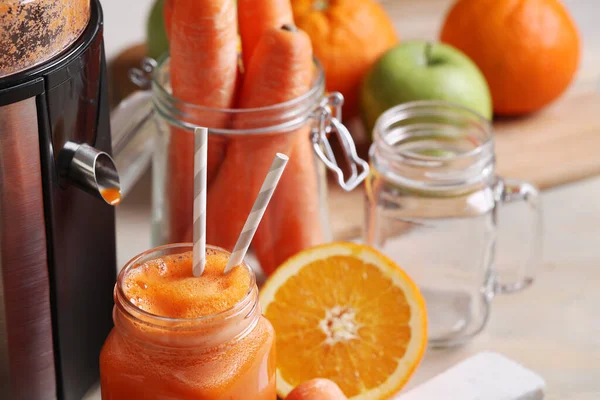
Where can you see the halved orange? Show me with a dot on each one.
(345, 312)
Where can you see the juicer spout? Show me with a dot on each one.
(93, 171)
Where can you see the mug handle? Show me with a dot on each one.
(511, 191)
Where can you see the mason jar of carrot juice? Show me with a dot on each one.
(177, 336)
(242, 143)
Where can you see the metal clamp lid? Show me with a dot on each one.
(328, 116)
(142, 77)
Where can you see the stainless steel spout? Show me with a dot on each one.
(93, 171)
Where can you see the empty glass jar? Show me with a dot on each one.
(432, 206)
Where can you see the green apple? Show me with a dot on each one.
(420, 70)
(156, 36)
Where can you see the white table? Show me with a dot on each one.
(552, 328)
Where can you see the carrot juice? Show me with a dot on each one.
(177, 336)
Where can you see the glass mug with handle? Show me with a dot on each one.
(432, 204)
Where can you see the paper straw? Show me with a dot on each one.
(258, 210)
(200, 162)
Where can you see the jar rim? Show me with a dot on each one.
(154, 319)
(401, 111)
(398, 128)
(315, 90)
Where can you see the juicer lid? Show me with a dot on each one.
(34, 31)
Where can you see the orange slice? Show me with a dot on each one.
(347, 313)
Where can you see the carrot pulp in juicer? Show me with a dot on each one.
(188, 337)
(34, 31)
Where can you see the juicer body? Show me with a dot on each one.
(57, 242)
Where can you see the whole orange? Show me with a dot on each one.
(528, 50)
(348, 36)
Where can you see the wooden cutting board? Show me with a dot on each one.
(559, 145)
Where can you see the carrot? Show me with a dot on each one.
(204, 54)
(294, 216)
(317, 389)
(255, 17)
(203, 45)
(280, 70)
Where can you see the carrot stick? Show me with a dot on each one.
(255, 17)
(280, 70)
(203, 45)
(204, 54)
(293, 221)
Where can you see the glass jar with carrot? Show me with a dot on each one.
(269, 99)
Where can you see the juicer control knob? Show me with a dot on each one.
(91, 170)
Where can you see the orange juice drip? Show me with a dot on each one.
(165, 286)
(112, 196)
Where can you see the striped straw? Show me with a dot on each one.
(258, 210)
(200, 161)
